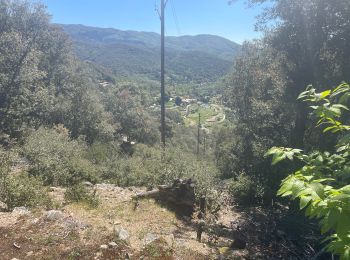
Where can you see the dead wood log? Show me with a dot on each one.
(180, 193)
(147, 194)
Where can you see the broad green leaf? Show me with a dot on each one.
(328, 202)
(343, 224)
(330, 128)
(287, 186)
(297, 187)
(324, 180)
(318, 188)
(304, 201)
(325, 94)
(277, 158)
(346, 254)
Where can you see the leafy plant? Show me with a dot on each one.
(246, 190)
(17, 189)
(79, 193)
(322, 183)
(57, 159)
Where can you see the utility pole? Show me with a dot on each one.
(162, 72)
(204, 142)
(198, 134)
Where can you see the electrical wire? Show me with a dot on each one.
(175, 18)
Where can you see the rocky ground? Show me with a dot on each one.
(116, 229)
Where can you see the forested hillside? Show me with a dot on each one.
(256, 161)
(202, 58)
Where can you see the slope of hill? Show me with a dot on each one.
(198, 58)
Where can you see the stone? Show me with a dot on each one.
(2, 205)
(122, 234)
(88, 184)
(98, 255)
(104, 186)
(21, 211)
(30, 253)
(71, 223)
(170, 239)
(35, 221)
(112, 244)
(149, 238)
(103, 246)
(53, 215)
(179, 241)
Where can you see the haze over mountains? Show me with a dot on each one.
(201, 58)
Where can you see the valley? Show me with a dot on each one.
(248, 158)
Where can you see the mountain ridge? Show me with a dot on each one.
(202, 57)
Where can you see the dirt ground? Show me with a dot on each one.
(151, 231)
(75, 231)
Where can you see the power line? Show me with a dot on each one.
(162, 80)
(156, 8)
(161, 14)
(175, 18)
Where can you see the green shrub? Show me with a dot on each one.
(5, 167)
(79, 193)
(246, 190)
(147, 168)
(22, 190)
(57, 159)
(321, 184)
(19, 189)
(101, 153)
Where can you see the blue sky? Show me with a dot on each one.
(235, 22)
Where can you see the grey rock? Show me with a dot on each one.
(103, 246)
(170, 239)
(149, 238)
(122, 234)
(21, 211)
(104, 186)
(2, 205)
(179, 241)
(71, 223)
(35, 221)
(87, 184)
(98, 255)
(112, 244)
(53, 215)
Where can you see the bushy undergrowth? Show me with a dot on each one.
(57, 159)
(80, 193)
(148, 167)
(19, 189)
(246, 190)
(23, 190)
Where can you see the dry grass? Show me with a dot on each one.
(42, 239)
